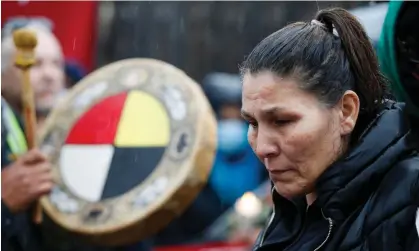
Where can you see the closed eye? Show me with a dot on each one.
(282, 122)
(249, 119)
(253, 124)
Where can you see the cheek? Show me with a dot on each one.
(310, 147)
(298, 148)
(57, 71)
(35, 75)
(59, 78)
(251, 137)
(300, 142)
(15, 76)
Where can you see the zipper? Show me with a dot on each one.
(328, 234)
(300, 233)
(304, 227)
(269, 222)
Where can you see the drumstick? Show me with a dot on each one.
(25, 42)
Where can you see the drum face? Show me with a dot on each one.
(131, 146)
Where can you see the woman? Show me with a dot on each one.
(340, 154)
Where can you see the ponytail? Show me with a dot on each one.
(370, 84)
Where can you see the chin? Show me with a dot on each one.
(45, 104)
(289, 191)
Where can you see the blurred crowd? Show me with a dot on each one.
(217, 213)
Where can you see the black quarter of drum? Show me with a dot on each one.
(129, 167)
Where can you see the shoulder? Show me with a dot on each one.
(405, 174)
(4, 133)
(401, 184)
(399, 187)
(396, 200)
(392, 209)
(6, 152)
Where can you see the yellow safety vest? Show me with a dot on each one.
(15, 136)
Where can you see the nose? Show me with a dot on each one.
(50, 72)
(265, 146)
(48, 76)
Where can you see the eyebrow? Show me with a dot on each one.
(272, 110)
(245, 114)
(268, 111)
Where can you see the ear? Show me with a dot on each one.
(349, 110)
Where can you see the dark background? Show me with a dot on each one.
(198, 37)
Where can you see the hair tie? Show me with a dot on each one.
(322, 25)
(317, 22)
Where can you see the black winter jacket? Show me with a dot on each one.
(368, 200)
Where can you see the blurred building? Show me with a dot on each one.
(198, 37)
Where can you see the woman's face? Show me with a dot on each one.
(291, 131)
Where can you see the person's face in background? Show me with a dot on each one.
(232, 130)
(46, 75)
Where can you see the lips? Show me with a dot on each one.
(280, 175)
(278, 172)
(275, 172)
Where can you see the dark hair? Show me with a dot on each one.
(329, 55)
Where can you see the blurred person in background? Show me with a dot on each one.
(398, 52)
(236, 168)
(234, 157)
(340, 153)
(47, 76)
(26, 176)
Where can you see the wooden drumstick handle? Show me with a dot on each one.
(25, 42)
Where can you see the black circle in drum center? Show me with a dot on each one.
(129, 167)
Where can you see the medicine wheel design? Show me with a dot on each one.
(115, 145)
(131, 146)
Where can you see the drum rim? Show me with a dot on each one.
(205, 136)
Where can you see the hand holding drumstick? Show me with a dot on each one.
(25, 42)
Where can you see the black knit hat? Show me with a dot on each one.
(222, 88)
